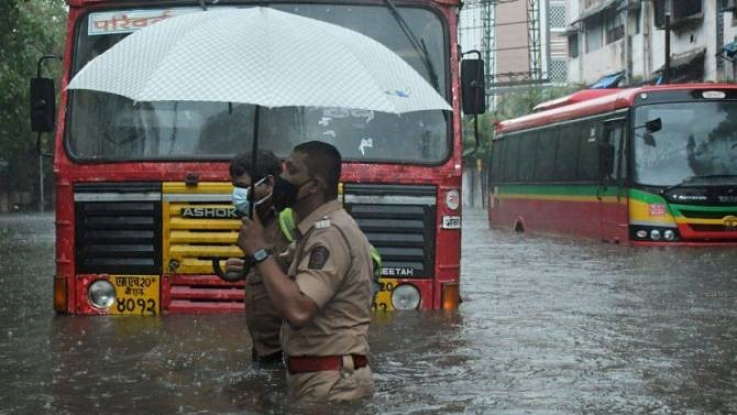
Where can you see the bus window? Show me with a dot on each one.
(511, 159)
(527, 156)
(546, 146)
(614, 134)
(566, 159)
(588, 160)
(496, 161)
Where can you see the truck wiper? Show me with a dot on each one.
(418, 45)
(691, 179)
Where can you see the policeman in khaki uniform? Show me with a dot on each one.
(325, 297)
(262, 320)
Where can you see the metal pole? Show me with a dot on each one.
(627, 49)
(40, 176)
(666, 75)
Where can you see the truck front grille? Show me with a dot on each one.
(400, 222)
(118, 228)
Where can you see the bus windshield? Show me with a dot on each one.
(105, 127)
(697, 140)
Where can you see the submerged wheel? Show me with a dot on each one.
(518, 226)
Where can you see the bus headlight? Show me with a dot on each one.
(669, 235)
(101, 294)
(405, 297)
(655, 235)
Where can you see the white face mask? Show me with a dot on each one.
(241, 199)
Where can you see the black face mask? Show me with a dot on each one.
(285, 193)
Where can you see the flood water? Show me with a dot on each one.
(548, 326)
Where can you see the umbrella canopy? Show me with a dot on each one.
(259, 56)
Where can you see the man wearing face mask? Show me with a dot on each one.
(262, 320)
(325, 296)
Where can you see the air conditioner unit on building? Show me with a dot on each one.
(728, 5)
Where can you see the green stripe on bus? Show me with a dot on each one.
(646, 197)
(563, 191)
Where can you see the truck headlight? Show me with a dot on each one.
(453, 199)
(101, 294)
(405, 297)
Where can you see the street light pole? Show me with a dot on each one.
(666, 75)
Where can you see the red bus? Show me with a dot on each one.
(142, 189)
(644, 166)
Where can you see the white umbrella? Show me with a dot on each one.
(259, 56)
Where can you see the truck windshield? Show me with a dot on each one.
(109, 127)
(697, 140)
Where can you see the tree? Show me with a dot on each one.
(30, 29)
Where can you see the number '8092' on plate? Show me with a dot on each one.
(135, 294)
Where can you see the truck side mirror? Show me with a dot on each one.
(43, 105)
(606, 160)
(473, 87)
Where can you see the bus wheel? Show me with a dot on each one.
(518, 226)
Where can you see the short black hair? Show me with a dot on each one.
(323, 160)
(267, 165)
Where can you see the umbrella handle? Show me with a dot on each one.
(231, 276)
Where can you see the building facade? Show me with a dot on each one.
(530, 42)
(624, 41)
(558, 65)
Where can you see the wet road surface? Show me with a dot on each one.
(548, 326)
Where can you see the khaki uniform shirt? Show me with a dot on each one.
(332, 266)
(262, 320)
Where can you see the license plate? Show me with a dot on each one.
(136, 295)
(451, 222)
(383, 299)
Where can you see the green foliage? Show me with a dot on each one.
(486, 134)
(30, 29)
(510, 105)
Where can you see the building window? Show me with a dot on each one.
(557, 16)
(613, 25)
(682, 10)
(558, 71)
(573, 47)
(594, 34)
(659, 13)
(636, 22)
